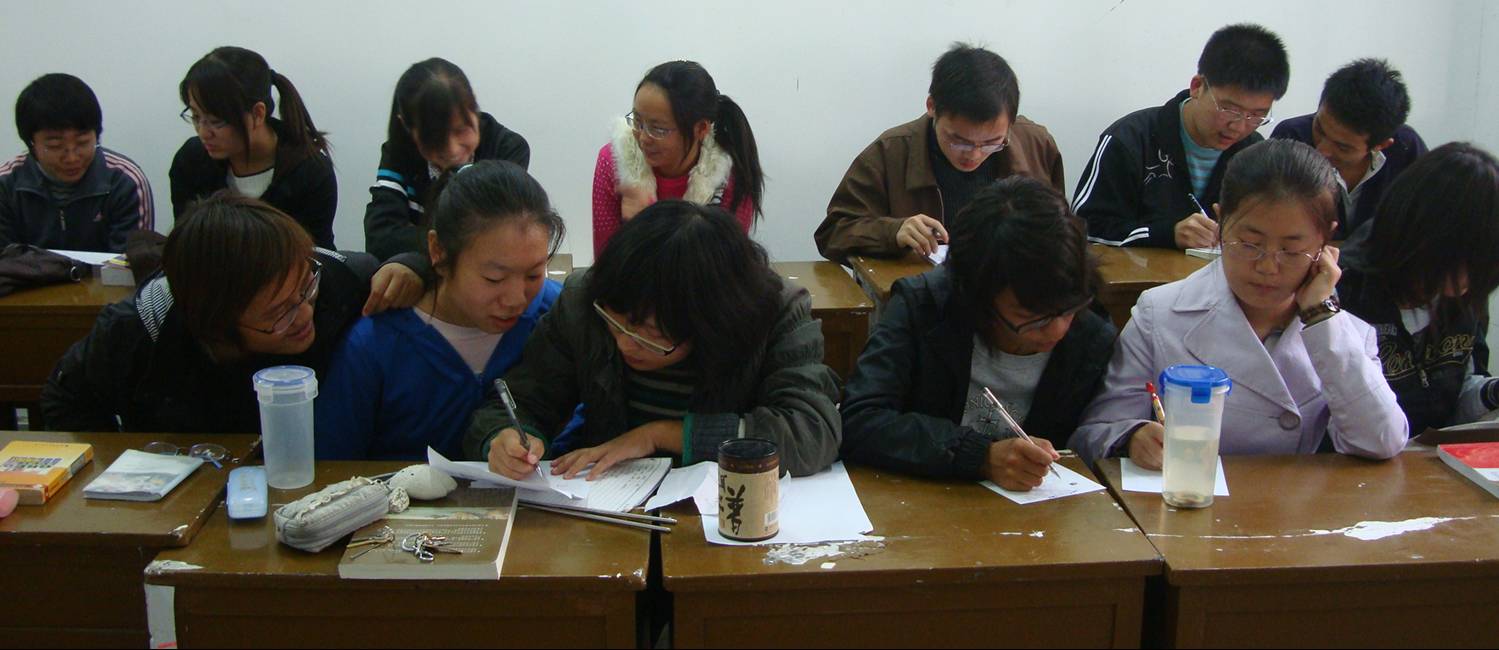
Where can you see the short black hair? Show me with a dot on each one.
(1439, 219)
(1019, 233)
(57, 101)
(1369, 96)
(694, 269)
(974, 84)
(1247, 56)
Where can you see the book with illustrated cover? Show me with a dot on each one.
(37, 470)
(139, 476)
(479, 527)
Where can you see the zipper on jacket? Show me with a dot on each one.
(62, 219)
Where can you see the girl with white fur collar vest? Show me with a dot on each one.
(681, 140)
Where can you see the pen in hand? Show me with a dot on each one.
(509, 402)
(1014, 426)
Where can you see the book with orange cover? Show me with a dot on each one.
(37, 470)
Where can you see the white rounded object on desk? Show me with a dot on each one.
(423, 483)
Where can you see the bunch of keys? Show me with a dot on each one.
(381, 537)
(425, 546)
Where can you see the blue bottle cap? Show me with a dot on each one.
(1202, 380)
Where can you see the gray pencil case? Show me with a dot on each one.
(314, 522)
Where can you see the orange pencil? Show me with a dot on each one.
(1155, 403)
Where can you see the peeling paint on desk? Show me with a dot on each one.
(1364, 530)
(158, 567)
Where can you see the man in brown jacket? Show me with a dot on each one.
(906, 185)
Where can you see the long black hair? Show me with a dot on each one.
(694, 97)
(228, 82)
(477, 197)
(1437, 221)
(698, 273)
(427, 96)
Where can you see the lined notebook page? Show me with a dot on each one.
(622, 488)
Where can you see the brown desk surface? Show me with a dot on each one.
(1272, 564)
(830, 286)
(75, 565)
(560, 266)
(1126, 270)
(38, 325)
(877, 275)
(85, 297)
(70, 519)
(575, 580)
(952, 551)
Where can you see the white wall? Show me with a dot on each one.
(819, 80)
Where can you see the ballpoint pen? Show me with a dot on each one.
(509, 401)
(1014, 426)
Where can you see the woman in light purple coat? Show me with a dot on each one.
(1306, 375)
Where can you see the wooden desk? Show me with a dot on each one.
(877, 274)
(1269, 566)
(1128, 272)
(567, 582)
(961, 566)
(71, 569)
(841, 306)
(37, 326)
(560, 266)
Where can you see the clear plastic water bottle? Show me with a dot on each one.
(1193, 397)
(286, 394)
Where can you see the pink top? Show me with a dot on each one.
(606, 200)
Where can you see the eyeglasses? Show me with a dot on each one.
(1232, 116)
(309, 292)
(206, 451)
(76, 148)
(969, 147)
(200, 122)
(1246, 252)
(1031, 326)
(644, 342)
(655, 132)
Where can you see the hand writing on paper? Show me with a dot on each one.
(642, 441)
(509, 459)
(394, 287)
(1015, 464)
(1147, 446)
(921, 233)
(1196, 231)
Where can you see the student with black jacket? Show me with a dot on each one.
(1423, 277)
(1156, 173)
(1008, 311)
(435, 126)
(227, 99)
(178, 356)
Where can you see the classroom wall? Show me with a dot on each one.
(819, 80)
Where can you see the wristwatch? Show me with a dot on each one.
(1320, 311)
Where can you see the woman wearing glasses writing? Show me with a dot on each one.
(681, 140)
(1007, 312)
(680, 337)
(409, 379)
(1306, 376)
(241, 289)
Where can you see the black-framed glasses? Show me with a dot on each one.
(1232, 116)
(1033, 325)
(1294, 260)
(644, 342)
(200, 122)
(970, 147)
(639, 125)
(206, 451)
(309, 293)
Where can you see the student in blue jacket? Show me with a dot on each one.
(409, 379)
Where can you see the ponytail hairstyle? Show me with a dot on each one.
(477, 197)
(427, 96)
(1277, 170)
(694, 97)
(229, 81)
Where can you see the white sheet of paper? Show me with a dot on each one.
(819, 508)
(87, 257)
(479, 471)
(940, 255)
(1071, 483)
(623, 487)
(682, 483)
(1137, 479)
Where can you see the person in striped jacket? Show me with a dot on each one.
(67, 191)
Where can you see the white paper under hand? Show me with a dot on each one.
(823, 507)
(478, 471)
(1139, 479)
(1064, 483)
